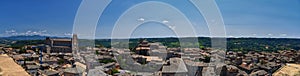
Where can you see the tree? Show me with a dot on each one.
(207, 59)
(97, 52)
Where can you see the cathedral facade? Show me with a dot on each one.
(59, 45)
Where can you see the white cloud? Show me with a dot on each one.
(231, 36)
(141, 19)
(68, 34)
(10, 31)
(172, 27)
(283, 34)
(165, 21)
(28, 32)
(270, 34)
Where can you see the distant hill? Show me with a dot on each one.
(28, 37)
(233, 44)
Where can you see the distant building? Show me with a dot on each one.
(76, 71)
(261, 73)
(32, 69)
(177, 67)
(146, 59)
(49, 73)
(195, 68)
(143, 48)
(61, 45)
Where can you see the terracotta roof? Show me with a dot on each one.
(61, 39)
(289, 69)
(10, 68)
(177, 65)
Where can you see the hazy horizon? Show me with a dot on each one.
(152, 37)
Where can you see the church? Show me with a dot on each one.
(61, 45)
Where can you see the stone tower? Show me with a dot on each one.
(74, 43)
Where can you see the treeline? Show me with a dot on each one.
(233, 44)
(262, 44)
(21, 43)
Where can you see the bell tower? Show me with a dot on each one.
(74, 43)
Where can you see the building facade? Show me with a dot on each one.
(58, 45)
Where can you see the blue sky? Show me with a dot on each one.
(252, 18)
